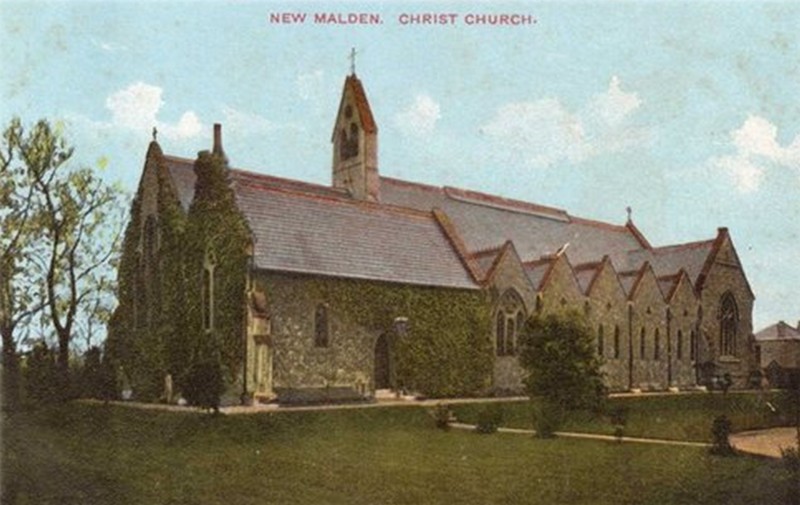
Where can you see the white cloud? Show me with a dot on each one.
(420, 117)
(310, 85)
(545, 131)
(757, 152)
(137, 107)
(244, 123)
(108, 46)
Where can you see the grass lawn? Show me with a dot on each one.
(672, 417)
(94, 454)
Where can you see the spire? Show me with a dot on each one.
(353, 61)
(355, 142)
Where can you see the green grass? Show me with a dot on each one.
(678, 417)
(94, 454)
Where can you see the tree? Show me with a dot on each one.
(18, 300)
(558, 352)
(78, 219)
(58, 233)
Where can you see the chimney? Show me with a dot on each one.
(218, 140)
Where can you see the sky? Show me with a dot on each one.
(688, 112)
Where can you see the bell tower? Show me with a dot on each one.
(355, 143)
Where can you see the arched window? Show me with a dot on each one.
(679, 344)
(321, 329)
(500, 334)
(642, 336)
(616, 342)
(600, 341)
(657, 344)
(510, 319)
(728, 324)
(208, 292)
(693, 346)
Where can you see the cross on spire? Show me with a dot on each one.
(353, 61)
(155, 133)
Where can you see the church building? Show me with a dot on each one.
(374, 283)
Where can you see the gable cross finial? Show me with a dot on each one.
(353, 61)
(630, 212)
(155, 134)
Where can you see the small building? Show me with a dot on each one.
(778, 350)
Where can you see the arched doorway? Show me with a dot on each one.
(383, 366)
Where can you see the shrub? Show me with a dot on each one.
(558, 352)
(547, 418)
(98, 379)
(791, 462)
(619, 418)
(490, 418)
(41, 376)
(204, 385)
(720, 433)
(442, 416)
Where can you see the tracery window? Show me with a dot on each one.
(693, 345)
(679, 344)
(616, 342)
(728, 324)
(510, 318)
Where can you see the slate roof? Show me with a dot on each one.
(537, 271)
(779, 331)
(306, 228)
(669, 260)
(484, 221)
(422, 234)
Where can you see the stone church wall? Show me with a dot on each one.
(726, 275)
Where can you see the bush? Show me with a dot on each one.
(490, 418)
(791, 462)
(442, 416)
(41, 376)
(558, 352)
(618, 416)
(204, 385)
(720, 433)
(98, 379)
(548, 417)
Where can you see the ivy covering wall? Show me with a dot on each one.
(446, 350)
(157, 328)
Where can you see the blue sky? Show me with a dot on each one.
(689, 112)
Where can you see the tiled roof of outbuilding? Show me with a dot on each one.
(779, 331)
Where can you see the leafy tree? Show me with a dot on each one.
(77, 217)
(57, 241)
(558, 352)
(18, 287)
